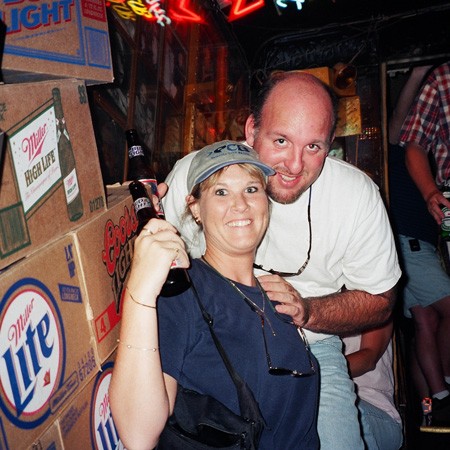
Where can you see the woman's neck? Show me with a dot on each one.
(236, 268)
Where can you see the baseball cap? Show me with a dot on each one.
(215, 156)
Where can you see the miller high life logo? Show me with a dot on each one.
(32, 353)
(118, 250)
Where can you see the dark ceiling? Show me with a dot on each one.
(398, 32)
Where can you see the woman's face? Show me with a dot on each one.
(234, 211)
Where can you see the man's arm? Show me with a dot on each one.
(344, 312)
(420, 171)
(373, 345)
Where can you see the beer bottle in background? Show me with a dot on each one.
(138, 167)
(177, 279)
(444, 237)
(67, 162)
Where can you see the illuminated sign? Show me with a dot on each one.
(184, 13)
(283, 3)
(240, 8)
(148, 9)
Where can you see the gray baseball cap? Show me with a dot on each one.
(215, 156)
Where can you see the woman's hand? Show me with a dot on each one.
(157, 247)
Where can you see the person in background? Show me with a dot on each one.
(165, 341)
(328, 229)
(369, 357)
(416, 207)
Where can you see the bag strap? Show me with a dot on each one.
(248, 405)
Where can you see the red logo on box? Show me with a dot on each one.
(94, 9)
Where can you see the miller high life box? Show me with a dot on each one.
(47, 354)
(50, 179)
(55, 39)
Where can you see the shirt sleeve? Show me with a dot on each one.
(174, 204)
(422, 122)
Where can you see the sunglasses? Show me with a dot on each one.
(308, 255)
(280, 371)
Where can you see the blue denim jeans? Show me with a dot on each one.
(338, 425)
(380, 430)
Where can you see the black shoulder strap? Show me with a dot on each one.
(247, 403)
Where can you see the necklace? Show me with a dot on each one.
(253, 306)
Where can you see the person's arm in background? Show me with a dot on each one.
(416, 157)
(404, 102)
(373, 345)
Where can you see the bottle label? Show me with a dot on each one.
(71, 186)
(135, 150)
(142, 203)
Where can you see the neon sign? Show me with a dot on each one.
(283, 3)
(241, 9)
(148, 9)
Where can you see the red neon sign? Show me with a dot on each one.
(240, 8)
(185, 13)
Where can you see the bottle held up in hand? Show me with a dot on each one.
(138, 167)
(178, 279)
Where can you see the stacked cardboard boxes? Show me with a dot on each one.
(59, 321)
(65, 246)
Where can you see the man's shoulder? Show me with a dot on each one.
(339, 168)
(181, 168)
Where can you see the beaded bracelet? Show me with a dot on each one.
(143, 349)
(137, 302)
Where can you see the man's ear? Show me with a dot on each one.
(250, 130)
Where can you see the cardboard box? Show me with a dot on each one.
(87, 422)
(48, 354)
(104, 247)
(55, 39)
(46, 188)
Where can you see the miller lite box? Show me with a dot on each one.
(47, 354)
(55, 39)
(50, 179)
(105, 248)
(87, 423)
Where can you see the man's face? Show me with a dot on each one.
(293, 137)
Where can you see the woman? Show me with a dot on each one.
(227, 198)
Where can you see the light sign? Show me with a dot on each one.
(283, 3)
(240, 8)
(148, 9)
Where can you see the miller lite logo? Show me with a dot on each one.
(103, 431)
(32, 353)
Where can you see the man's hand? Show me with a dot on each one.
(435, 201)
(290, 301)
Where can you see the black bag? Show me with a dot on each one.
(202, 422)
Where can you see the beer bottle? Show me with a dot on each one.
(138, 168)
(444, 237)
(67, 162)
(177, 279)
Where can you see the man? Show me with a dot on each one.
(328, 228)
(426, 133)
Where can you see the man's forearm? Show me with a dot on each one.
(348, 311)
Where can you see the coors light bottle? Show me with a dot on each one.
(178, 278)
(67, 162)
